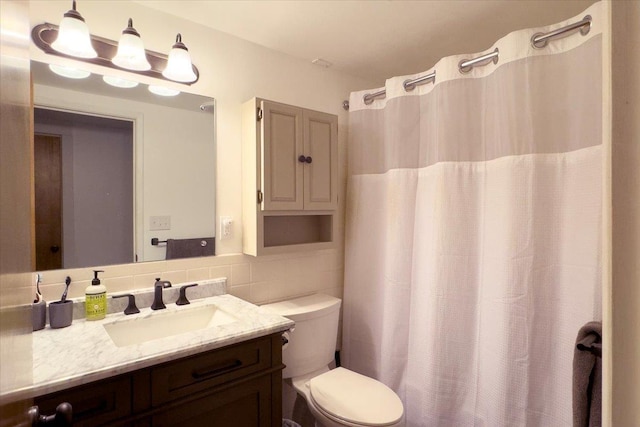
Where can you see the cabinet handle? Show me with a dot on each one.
(303, 159)
(210, 372)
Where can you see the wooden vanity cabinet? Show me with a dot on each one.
(290, 178)
(238, 385)
(239, 406)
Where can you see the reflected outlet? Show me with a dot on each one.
(159, 223)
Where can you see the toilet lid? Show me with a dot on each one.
(352, 397)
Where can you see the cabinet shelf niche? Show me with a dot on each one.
(297, 229)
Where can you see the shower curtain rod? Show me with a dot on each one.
(467, 65)
(538, 41)
(408, 85)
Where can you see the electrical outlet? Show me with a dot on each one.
(159, 223)
(226, 227)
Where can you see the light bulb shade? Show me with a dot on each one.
(69, 72)
(179, 67)
(163, 91)
(73, 36)
(118, 82)
(131, 54)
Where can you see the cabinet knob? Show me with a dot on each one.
(62, 418)
(303, 159)
(308, 159)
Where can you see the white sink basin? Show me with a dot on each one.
(162, 324)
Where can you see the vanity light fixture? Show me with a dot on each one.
(163, 91)
(73, 41)
(69, 72)
(131, 53)
(44, 35)
(179, 67)
(119, 82)
(74, 38)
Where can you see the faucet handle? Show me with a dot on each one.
(182, 299)
(131, 307)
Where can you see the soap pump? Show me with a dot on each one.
(95, 299)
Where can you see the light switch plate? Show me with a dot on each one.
(226, 227)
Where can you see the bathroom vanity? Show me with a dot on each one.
(229, 373)
(235, 385)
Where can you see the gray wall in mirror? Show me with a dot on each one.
(83, 178)
(172, 167)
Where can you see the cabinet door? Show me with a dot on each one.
(96, 404)
(247, 404)
(282, 135)
(321, 174)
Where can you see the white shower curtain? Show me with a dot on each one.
(473, 232)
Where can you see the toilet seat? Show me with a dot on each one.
(353, 399)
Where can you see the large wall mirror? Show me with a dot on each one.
(119, 172)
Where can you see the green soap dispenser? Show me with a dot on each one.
(95, 299)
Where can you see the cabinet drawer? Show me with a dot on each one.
(96, 404)
(245, 405)
(204, 371)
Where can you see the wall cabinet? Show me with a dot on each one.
(290, 177)
(236, 385)
(300, 153)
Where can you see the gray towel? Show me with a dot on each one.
(587, 376)
(189, 248)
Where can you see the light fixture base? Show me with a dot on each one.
(44, 34)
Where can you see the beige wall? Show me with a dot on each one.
(626, 213)
(232, 71)
(15, 205)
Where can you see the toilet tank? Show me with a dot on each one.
(312, 343)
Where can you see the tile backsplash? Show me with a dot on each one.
(258, 280)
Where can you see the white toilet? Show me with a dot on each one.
(337, 397)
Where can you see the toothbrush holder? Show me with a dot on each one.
(39, 314)
(60, 314)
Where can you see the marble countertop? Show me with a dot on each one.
(84, 352)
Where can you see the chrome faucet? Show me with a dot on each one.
(158, 304)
